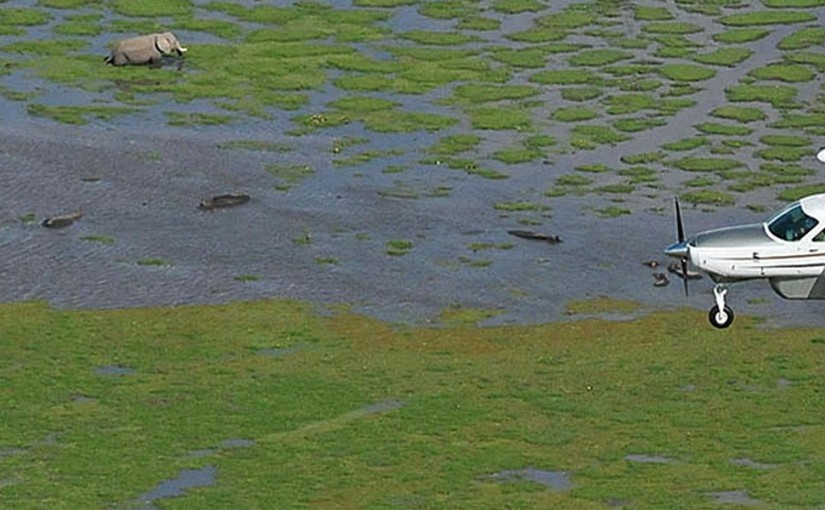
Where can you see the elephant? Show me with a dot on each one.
(145, 49)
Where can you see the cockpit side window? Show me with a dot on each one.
(792, 225)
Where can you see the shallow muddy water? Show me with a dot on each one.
(143, 242)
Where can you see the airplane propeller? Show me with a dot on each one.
(680, 234)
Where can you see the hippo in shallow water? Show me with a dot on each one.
(64, 220)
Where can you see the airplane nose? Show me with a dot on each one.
(678, 250)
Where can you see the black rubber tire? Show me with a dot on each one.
(722, 320)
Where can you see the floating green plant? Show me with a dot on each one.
(77, 114)
(398, 247)
(791, 73)
(246, 278)
(708, 197)
(686, 72)
(473, 93)
(500, 118)
(612, 212)
(565, 77)
(326, 261)
(521, 206)
(190, 119)
(742, 114)
(697, 164)
(741, 35)
(99, 239)
(780, 17)
(729, 57)
(648, 13)
(290, 174)
(580, 94)
(716, 128)
(777, 95)
(795, 193)
(599, 57)
(686, 144)
(803, 38)
(573, 114)
(256, 145)
(153, 8)
(24, 17)
(455, 144)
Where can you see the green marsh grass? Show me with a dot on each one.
(803, 38)
(686, 72)
(729, 57)
(780, 17)
(708, 197)
(99, 239)
(791, 73)
(77, 114)
(742, 114)
(398, 247)
(741, 35)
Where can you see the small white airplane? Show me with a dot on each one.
(788, 250)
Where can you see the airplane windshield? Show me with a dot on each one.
(792, 224)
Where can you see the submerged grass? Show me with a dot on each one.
(387, 414)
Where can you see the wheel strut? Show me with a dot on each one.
(721, 316)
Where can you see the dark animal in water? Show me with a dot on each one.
(529, 234)
(64, 220)
(225, 200)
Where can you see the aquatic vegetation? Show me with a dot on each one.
(612, 212)
(289, 174)
(698, 164)
(153, 8)
(455, 144)
(741, 35)
(742, 114)
(398, 247)
(708, 197)
(729, 57)
(686, 72)
(715, 128)
(20, 16)
(797, 192)
(474, 93)
(672, 28)
(574, 114)
(198, 119)
(500, 118)
(686, 144)
(777, 95)
(803, 38)
(598, 57)
(580, 94)
(255, 145)
(520, 206)
(791, 73)
(99, 239)
(646, 13)
(246, 278)
(77, 114)
(766, 18)
(636, 125)
(565, 77)
(326, 261)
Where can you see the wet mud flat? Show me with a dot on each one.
(143, 241)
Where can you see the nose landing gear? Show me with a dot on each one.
(720, 316)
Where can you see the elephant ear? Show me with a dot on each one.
(164, 44)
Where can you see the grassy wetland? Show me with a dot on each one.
(364, 332)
